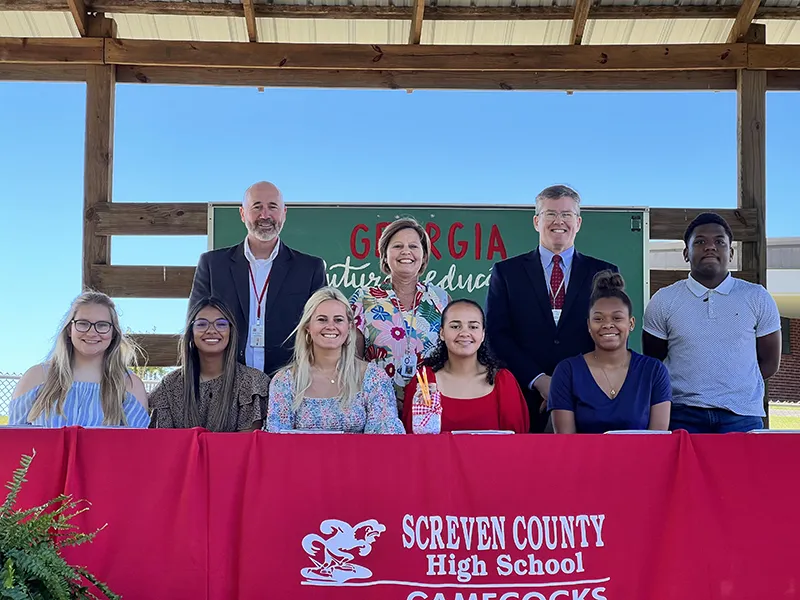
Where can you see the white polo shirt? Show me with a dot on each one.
(711, 336)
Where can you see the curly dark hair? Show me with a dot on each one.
(439, 356)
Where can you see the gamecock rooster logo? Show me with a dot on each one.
(332, 552)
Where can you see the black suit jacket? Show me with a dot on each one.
(225, 275)
(519, 319)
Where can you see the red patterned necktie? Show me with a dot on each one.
(557, 291)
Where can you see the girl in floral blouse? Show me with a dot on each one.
(398, 322)
(326, 387)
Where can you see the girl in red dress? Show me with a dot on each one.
(475, 393)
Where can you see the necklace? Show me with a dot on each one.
(599, 364)
(326, 375)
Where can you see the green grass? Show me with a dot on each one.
(784, 417)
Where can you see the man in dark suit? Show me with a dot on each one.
(538, 303)
(264, 283)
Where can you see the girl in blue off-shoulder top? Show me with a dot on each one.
(86, 380)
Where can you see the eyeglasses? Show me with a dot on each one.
(101, 327)
(567, 215)
(201, 325)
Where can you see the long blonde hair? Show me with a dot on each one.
(217, 418)
(118, 357)
(349, 373)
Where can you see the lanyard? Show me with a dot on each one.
(259, 297)
(558, 291)
(560, 285)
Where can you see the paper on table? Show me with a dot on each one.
(484, 432)
(639, 431)
(308, 431)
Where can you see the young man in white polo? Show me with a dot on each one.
(719, 337)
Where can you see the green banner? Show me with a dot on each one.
(466, 241)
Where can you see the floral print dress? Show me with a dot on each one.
(391, 330)
(372, 410)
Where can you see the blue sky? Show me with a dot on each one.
(196, 144)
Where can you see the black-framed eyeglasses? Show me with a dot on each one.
(82, 325)
(201, 325)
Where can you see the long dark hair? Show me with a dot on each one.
(439, 356)
(217, 419)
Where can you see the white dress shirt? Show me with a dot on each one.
(261, 268)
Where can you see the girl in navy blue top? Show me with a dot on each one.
(611, 388)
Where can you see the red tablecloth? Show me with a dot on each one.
(237, 516)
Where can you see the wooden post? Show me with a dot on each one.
(579, 19)
(98, 156)
(751, 100)
(78, 10)
(250, 20)
(417, 15)
(743, 21)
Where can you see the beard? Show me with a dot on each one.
(265, 230)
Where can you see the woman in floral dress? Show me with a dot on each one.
(326, 387)
(398, 321)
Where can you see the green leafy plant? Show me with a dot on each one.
(31, 565)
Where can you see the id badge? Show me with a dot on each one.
(257, 336)
(556, 314)
(409, 366)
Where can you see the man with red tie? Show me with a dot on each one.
(538, 303)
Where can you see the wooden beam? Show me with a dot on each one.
(396, 80)
(671, 223)
(232, 55)
(432, 13)
(39, 72)
(783, 81)
(751, 96)
(744, 18)
(250, 19)
(159, 350)
(579, 18)
(417, 15)
(660, 278)
(99, 26)
(149, 218)
(176, 218)
(751, 164)
(52, 51)
(78, 10)
(426, 57)
(34, 5)
(124, 281)
(98, 163)
(773, 57)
